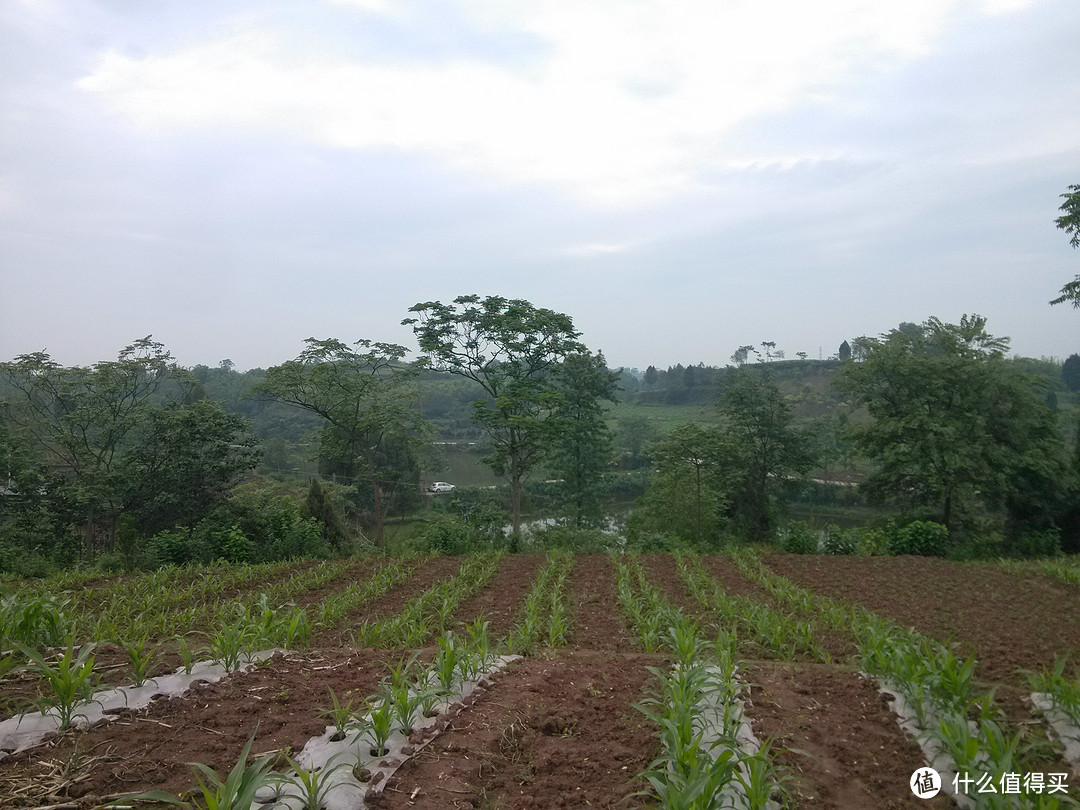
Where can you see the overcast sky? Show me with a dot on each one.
(681, 177)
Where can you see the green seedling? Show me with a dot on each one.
(445, 664)
(70, 681)
(341, 715)
(406, 704)
(228, 645)
(379, 725)
(235, 792)
(187, 655)
(310, 787)
(142, 657)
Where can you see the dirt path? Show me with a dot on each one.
(838, 737)
(551, 733)
(503, 598)
(598, 622)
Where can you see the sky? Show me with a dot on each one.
(680, 177)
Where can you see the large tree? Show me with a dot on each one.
(365, 396)
(581, 456)
(81, 419)
(511, 349)
(756, 419)
(1069, 221)
(954, 424)
(688, 491)
(185, 462)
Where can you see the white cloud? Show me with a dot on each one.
(631, 103)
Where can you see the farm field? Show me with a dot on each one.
(586, 709)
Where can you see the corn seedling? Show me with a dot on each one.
(142, 658)
(187, 655)
(341, 715)
(69, 682)
(309, 787)
(378, 725)
(1063, 691)
(235, 792)
(229, 644)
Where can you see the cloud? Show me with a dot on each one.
(629, 103)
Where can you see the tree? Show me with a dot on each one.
(635, 433)
(757, 422)
(80, 420)
(955, 425)
(1069, 222)
(650, 376)
(845, 351)
(511, 349)
(185, 462)
(688, 491)
(581, 455)
(1070, 372)
(365, 397)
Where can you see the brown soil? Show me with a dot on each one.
(551, 733)
(278, 703)
(598, 622)
(504, 597)
(558, 729)
(1008, 621)
(839, 739)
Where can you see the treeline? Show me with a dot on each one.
(949, 430)
(138, 461)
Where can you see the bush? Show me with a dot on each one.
(444, 535)
(921, 537)
(870, 541)
(838, 541)
(798, 538)
(579, 541)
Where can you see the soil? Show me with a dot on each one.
(504, 597)
(836, 735)
(558, 729)
(551, 733)
(1008, 621)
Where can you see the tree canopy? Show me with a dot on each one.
(955, 426)
(511, 349)
(1069, 221)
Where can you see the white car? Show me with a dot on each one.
(440, 486)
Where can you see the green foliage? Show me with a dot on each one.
(510, 348)
(766, 448)
(1069, 222)
(581, 457)
(445, 535)
(365, 398)
(955, 426)
(921, 537)
(68, 683)
(688, 491)
(799, 538)
(839, 541)
(235, 792)
(33, 621)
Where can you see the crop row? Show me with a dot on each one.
(547, 615)
(934, 682)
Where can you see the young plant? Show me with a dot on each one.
(341, 715)
(446, 661)
(142, 657)
(235, 792)
(70, 681)
(406, 704)
(379, 725)
(228, 645)
(187, 655)
(309, 787)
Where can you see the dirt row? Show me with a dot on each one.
(556, 730)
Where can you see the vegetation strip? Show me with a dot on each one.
(930, 687)
(710, 756)
(547, 599)
(28, 730)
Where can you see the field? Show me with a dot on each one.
(594, 701)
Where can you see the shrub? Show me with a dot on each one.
(798, 538)
(921, 537)
(444, 535)
(870, 541)
(838, 541)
